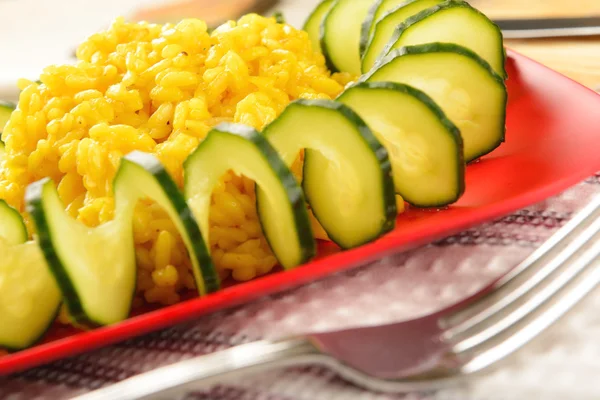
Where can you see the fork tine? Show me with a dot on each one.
(514, 285)
(537, 297)
(536, 322)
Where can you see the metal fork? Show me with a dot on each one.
(420, 354)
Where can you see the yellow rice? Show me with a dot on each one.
(159, 89)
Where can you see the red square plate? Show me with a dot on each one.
(553, 142)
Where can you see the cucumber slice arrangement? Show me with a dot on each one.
(350, 187)
(471, 94)
(313, 23)
(453, 22)
(340, 35)
(96, 267)
(425, 148)
(244, 151)
(406, 128)
(6, 110)
(381, 31)
(29, 296)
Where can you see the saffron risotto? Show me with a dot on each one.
(159, 89)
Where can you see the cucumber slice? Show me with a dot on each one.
(453, 22)
(94, 267)
(383, 29)
(378, 11)
(471, 94)
(313, 23)
(425, 148)
(239, 148)
(12, 226)
(29, 296)
(144, 176)
(375, 13)
(6, 110)
(349, 187)
(340, 35)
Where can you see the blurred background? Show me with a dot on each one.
(36, 33)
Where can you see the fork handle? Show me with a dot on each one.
(194, 373)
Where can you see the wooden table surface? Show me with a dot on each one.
(578, 58)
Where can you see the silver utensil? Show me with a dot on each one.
(419, 354)
(548, 27)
